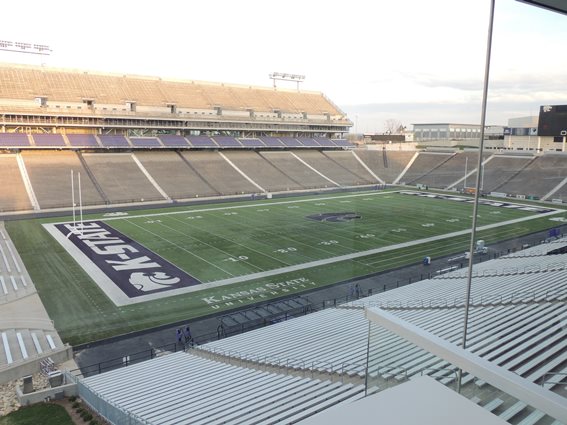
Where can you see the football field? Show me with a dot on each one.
(138, 269)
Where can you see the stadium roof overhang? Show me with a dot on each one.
(559, 6)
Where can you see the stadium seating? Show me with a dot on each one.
(499, 170)
(296, 170)
(183, 388)
(218, 173)
(120, 178)
(331, 169)
(173, 141)
(83, 140)
(385, 164)
(113, 141)
(14, 140)
(518, 331)
(145, 142)
(271, 142)
(202, 142)
(426, 163)
(174, 175)
(50, 176)
(227, 142)
(48, 140)
(538, 178)
(262, 172)
(450, 171)
(13, 196)
(350, 162)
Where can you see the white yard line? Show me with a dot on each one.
(235, 207)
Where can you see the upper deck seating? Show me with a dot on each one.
(305, 141)
(49, 140)
(343, 143)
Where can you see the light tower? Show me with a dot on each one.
(282, 76)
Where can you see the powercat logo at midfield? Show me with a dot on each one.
(132, 267)
(334, 217)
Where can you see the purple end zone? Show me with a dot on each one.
(131, 266)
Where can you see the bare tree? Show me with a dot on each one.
(393, 126)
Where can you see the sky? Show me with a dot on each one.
(414, 61)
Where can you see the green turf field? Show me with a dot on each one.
(266, 249)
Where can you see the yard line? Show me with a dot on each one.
(252, 205)
(207, 244)
(179, 247)
(236, 243)
(326, 261)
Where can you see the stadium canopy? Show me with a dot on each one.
(553, 5)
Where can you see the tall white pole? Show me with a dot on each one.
(80, 202)
(73, 198)
(478, 180)
(466, 171)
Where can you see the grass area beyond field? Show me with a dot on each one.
(237, 241)
(42, 413)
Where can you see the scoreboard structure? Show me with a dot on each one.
(552, 121)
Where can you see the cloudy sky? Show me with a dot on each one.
(411, 60)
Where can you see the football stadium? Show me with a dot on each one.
(189, 252)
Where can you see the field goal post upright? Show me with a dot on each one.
(76, 226)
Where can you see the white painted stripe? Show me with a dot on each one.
(50, 341)
(14, 259)
(470, 173)
(22, 345)
(9, 358)
(23, 279)
(36, 343)
(150, 178)
(368, 169)
(317, 171)
(555, 189)
(5, 260)
(3, 235)
(410, 163)
(241, 172)
(27, 182)
(14, 285)
(3, 285)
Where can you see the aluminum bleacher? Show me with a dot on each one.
(202, 142)
(184, 388)
(113, 141)
(13, 196)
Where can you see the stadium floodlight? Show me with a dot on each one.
(284, 76)
(22, 47)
